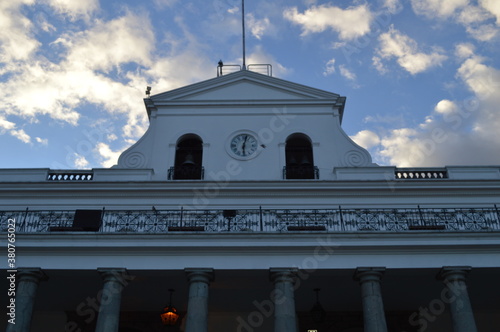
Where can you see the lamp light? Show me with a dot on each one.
(317, 312)
(169, 315)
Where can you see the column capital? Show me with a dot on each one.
(280, 274)
(31, 274)
(203, 274)
(363, 274)
(112, 273)
(453, 273)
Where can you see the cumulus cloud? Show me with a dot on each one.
(16, 39)
(42, 87)
(108, 157)
(455, 132)
(437, 8)
(493, 6)
(95, 66)
(349, 23)
(80, 161)
(474, 18)
(464, 50)
(347, 73)
(74, 9)
(446, 107)
(329, 67)
(10, 127)
(21, 135)
(259, 55)
(258, 27)
(42, 141)
(366, 138)
(393, 6)
(394, 44)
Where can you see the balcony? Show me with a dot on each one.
(190, 172)
(255, 220)
(300, 172)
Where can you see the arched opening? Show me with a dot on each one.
(299, 158)
(188, 159)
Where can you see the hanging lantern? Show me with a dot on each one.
(317, 312)
(169, 315)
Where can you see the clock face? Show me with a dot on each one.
(244, 146)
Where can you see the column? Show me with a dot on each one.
(460, 307)
(284, 299)
(28, 279)
(197, 312)
(110, 297)
(371, 295)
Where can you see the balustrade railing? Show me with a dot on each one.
(263, 220)
(70, 176)
(418, 174)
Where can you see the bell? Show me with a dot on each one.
(305, 161)
(189, 160)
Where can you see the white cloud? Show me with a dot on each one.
(464, 50)
(483, 32)
(93, 67)
(473, 18)
(456, 132)
(259, 55)
(329, 67)
(107, 44)
(164, 3)
(6, 125)
(394, 44)
(437, 8)
(472, 14)
(366, 138)
(80, 161)
(74, 9)
(21, 135)
(258, 27)
(349, 23)
(379, 65)
(10, 127)
(58, 89)
(481, 79)
(108, 156)
(42, 141)
(393, 6)
(347, 73)
(493, 6)
(445, 106)
(16, 39)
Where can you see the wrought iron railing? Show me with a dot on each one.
(264, 220)
(191, 172)
(300, 172)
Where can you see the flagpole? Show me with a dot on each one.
(243, 28)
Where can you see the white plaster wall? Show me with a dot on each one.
(272, 125)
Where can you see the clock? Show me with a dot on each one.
(243, 146)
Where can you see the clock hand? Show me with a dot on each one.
(244, 143)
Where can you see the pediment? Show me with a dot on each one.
(244, 85)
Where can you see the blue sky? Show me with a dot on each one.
(421, 77)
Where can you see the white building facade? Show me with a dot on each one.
(245, 195)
